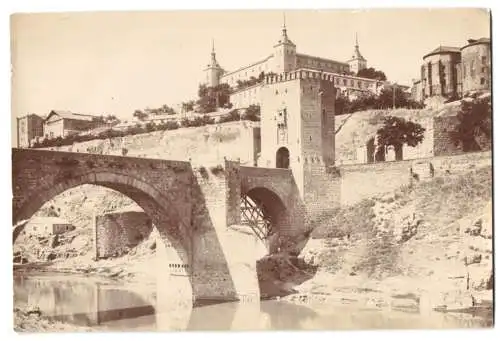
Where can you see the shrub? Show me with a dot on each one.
(208, 120)
(150, 126)
(217, 169)
(197, 122)
(252, 113)
(203, 172)
(185, 122)
(171, 125)
(233, 115)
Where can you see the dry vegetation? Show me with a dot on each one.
(31, 322)
(351, 241)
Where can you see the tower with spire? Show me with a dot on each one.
(213, 71)
(357, 61)
(284, 52)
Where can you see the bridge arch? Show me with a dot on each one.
(162, 211)
(266, 213)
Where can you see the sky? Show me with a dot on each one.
(116, 62)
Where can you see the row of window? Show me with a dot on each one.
(46, 228)
(317, 63)
(244, 75)
(300, 62)
(178, 266)
(248, 93)
(471, 68)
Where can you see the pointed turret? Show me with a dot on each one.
(284, 52)
(284, 36)
(357, 54)
(357, 61)
(213, 70)
(213, 59)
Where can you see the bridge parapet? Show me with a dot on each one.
(39, 175)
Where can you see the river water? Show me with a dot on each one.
(103, 305)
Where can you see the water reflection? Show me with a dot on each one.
(77, 301)
(82, 301)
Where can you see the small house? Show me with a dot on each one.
(64, 123)
(46, 226)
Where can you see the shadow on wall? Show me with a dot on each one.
(118, 232)
(210, 270)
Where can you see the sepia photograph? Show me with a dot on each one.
(252, 170)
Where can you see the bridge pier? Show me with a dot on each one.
(224, 266)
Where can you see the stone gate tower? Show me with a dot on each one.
(298, 132)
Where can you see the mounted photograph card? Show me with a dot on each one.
(252, 170)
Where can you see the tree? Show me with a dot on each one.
(396, 132)
(111, 119)
(150, 126)
(371, 73)
(390, 96)
(165, 109)
(252, 113)
(188, 106)
(140, 115)
(233, 115)
(202, 90)
(211, 98)
(99, 120)
(474, 124)
(341, 105)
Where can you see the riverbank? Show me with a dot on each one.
(415, 295)
(126, 269)
(30, 320)
(135, 266)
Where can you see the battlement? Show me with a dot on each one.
(299, 74)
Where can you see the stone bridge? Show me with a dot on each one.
(193, 209)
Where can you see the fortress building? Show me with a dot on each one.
(247, 81)
(28, 128)
(449, 71)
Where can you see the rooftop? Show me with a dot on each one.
(70, 115)
(246, 67)
(48, 220)
(472, 42)
(130, 208)
(320, 58)
(443, 49)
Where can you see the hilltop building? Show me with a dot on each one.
(64, 123)
(451, 72)
(247, 81)
(33, 128)
(29, 127)
(46, 226)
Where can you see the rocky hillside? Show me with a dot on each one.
(437, 234)
(77, 206)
